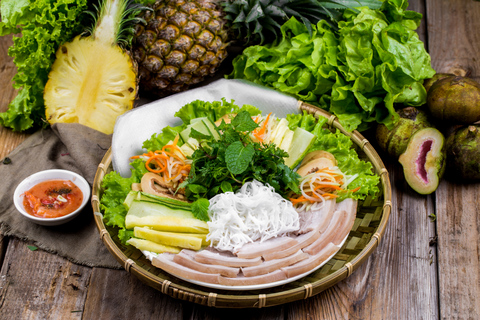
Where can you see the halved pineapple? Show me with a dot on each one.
(90, 83)
(93, 80)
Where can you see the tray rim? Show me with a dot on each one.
(220, 300)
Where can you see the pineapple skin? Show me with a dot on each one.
(183, 42)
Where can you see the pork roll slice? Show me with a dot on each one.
(186, 259)
(257, 249)
(165, 261)
(311, 262)
(272, 265)
(275, 276)
(209, 257)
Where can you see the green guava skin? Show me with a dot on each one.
(427, 83)
(455, 100)
(463, 153)
(395, 141)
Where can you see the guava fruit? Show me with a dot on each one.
(424, 160)
(463, 153)
(455, 99)
(395, 141)
(427, 84)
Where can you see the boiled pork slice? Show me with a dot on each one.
(329, 234)
(275, 276)
(257, 248)
(311, 262)
(210, 257)
(186, 258)
(272, 265)
(166, 262)
(303, 240)
(316, 219)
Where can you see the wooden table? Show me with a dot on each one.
(422, 269)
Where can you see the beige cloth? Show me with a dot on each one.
(64, 146)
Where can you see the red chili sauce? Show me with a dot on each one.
(52, 199)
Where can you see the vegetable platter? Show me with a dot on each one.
(368, 228)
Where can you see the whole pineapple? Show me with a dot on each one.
(184, 41)
(93, 80)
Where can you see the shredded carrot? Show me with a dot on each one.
(260, 132)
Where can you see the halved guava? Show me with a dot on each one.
(424, 160)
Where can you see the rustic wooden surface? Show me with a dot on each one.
(422, 269)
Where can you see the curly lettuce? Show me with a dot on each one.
(44, 25)
(359, 72)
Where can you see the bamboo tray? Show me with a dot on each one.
(366, 233)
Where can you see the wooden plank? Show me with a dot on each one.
(9, 139)
(455, 50)
(116, 294)
(39, 285)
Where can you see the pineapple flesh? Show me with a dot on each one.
(92, 80)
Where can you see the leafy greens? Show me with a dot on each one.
(358, 72)
(44, 25)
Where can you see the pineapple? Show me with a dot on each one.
(93, 80)
(184, 41)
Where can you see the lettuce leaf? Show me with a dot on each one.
(342, 147)
(359, 72)
(116, 189)
(44, 25)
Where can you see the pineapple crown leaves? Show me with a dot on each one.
(125, 16)
(259, 21)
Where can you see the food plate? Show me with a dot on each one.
(369, 226)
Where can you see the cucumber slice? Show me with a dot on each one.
(301, 143)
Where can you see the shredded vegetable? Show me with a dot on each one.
(322, 185)
(255, 212)
(170, 162)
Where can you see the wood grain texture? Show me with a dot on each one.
(456, 50)
(8, 138)
(39, 285)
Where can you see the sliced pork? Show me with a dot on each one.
(316, 218)
(303, 240)
(186, 259)
(165, 261)
(311, 262)
(272, 265)
(329, 234)
(257, 249)
(248, 281)
(209, 257)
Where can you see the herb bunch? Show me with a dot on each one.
(226, 164)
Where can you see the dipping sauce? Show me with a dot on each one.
(52, 199)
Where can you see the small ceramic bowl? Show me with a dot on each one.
(54, 174)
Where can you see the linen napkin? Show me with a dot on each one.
(63, 146)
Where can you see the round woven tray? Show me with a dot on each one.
(368, 229)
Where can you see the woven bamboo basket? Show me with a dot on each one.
(366, 233)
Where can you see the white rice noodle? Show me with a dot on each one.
(255, 212)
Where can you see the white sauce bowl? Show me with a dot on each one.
(53, 174)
